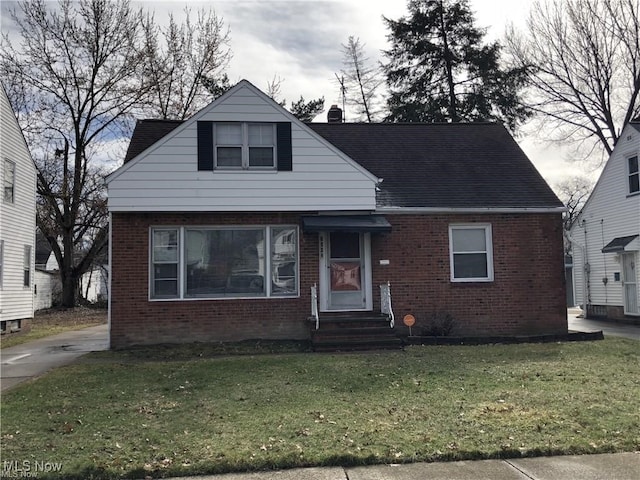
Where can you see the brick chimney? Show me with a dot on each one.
(334, 115)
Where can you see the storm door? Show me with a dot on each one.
(346, 279)
(630, 284)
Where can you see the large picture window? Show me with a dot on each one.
(245, 145)
(224, 262)
(471, 255)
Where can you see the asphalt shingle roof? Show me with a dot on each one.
(146, 133)
(443, 165)
(462, 165)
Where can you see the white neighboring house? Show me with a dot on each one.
(606, 236)
(17, 222)
(94, 284)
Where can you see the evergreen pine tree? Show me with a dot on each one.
(440, 70)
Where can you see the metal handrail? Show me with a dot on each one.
(314, 305)
(385, 303)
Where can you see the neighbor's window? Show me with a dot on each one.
(164, 259)
(27, 266)
(226, 262)
(1, 261)
(245, 145)
(9, 181)
(634, 175)
(471, 253)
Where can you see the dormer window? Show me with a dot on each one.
(634, 175)
(245, 145)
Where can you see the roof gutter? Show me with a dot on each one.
(411, 210)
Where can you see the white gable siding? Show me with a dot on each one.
(609, 213)
(17, 219)
(166, 178)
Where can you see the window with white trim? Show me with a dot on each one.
(245, 145)
(224, 262)
(471, 253)
(634, 174)
(164, 263)
(1, 261)
(26, 280)
(9, 182)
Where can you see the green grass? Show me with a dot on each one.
(109, 418)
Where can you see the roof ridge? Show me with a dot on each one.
(447, 124)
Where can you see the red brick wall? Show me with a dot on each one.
(526, 297)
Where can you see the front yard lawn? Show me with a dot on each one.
(114, 415)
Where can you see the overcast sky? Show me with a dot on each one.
(299, 41)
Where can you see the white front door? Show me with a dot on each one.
(630, 285)
(345, 271)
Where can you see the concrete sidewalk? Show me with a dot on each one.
(29, 360)
(616, 466)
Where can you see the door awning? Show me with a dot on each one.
(623, 244)
(346, 223)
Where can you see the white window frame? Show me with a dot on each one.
(634, 174)
(182, 251)
(245, 146)
(488, 252)
(5, 182)
(152, 263)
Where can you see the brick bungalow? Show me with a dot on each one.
(225, 226)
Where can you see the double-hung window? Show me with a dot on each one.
(224, 262)
(164, 259)
(471, 255)
(245, 145)
(26, 279)
(634, 174)
(9, 182)
(1, 261)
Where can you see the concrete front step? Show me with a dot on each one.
(343, 332)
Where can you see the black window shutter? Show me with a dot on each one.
(283, 136)
(205, 145)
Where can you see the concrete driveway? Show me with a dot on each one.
(32, 359)
(608, 328)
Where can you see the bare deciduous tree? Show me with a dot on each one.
(181, 60)
(359, 80)
(583, 59)
(73, 76)
(574, 193)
